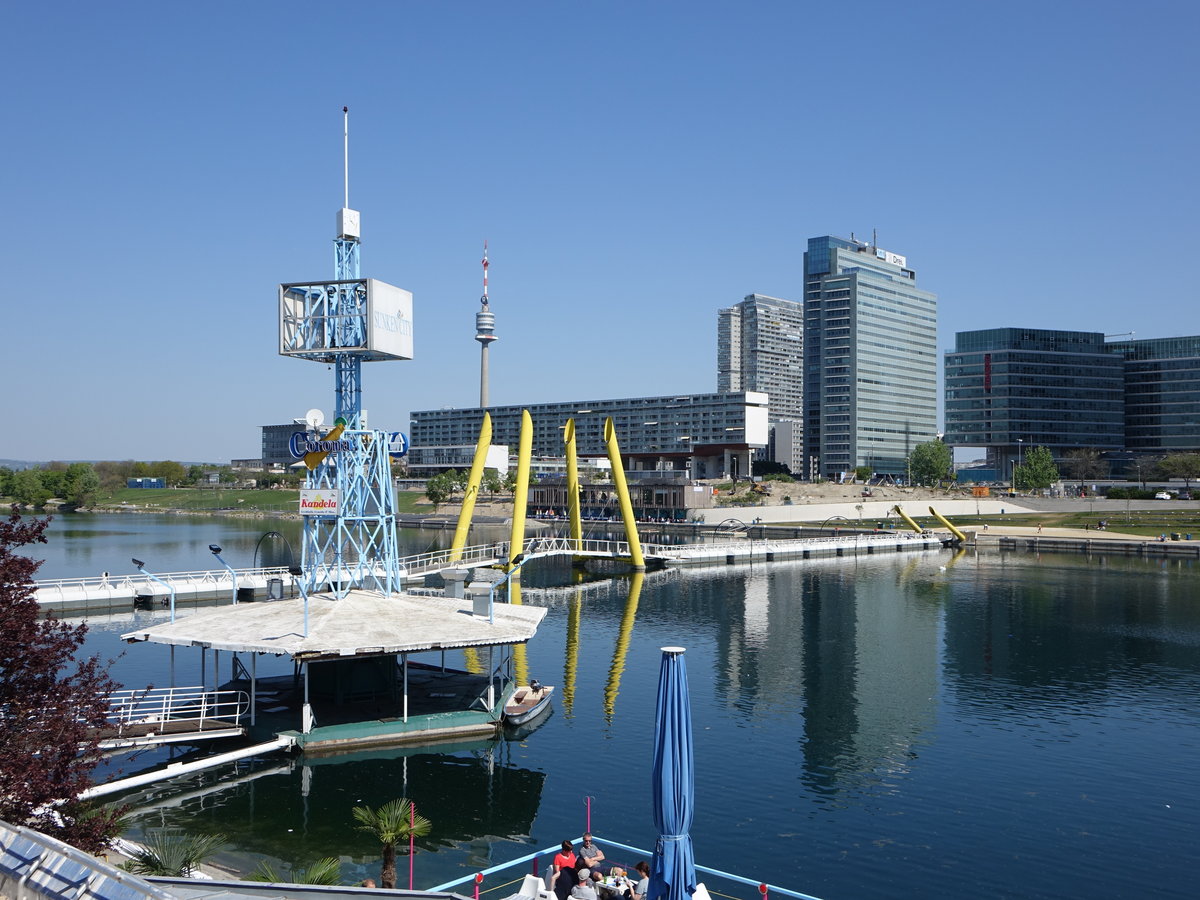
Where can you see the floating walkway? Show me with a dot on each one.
(107, 592)
(184, 715)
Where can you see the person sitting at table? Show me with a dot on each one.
(562, 871)
(643, 886)
(584, 890)
(589, 854)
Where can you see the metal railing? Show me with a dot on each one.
(179, 706)
(135, 583)
(760, 887)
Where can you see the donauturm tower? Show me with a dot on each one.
(485, 333)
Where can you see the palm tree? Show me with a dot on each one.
(391, 824)
(324, 871)
(173, 854)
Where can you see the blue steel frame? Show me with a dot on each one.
(357, 547)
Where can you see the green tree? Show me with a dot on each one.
(492, 482)
(1084, 464)
(171, 472)
(1037, 472)
(930, 462)
(766, 467)
(82, 484)
(54, 479)
(863, 473)
(6, 483)
(510, 481)
(173, 854)
(392, 824)
(439, 488)
(324, 871)
(1181, 465)
(28, 490)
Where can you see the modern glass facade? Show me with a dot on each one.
(760, 347)
(275, 440)
(870, 362)
(1012, 389)
(1162, 394)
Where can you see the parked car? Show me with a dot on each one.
(1163, 495)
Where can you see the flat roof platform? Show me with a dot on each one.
(363, 623)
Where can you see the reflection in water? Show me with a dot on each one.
(622, 645)
(571, 660)
(520, 661)
(299, 811)
(920, 726)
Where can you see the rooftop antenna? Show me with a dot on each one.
(346, 155)
(484, 298)
(874, 239)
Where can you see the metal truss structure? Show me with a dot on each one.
(327, 322)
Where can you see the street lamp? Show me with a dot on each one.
(141, 567)
(1020, 446)
(216, 551)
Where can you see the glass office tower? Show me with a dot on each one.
(1011, 389)
(870, 350)
(1162, 394)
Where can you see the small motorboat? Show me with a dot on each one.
(527, 703)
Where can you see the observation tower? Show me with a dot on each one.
(485, 333)
(348, 502)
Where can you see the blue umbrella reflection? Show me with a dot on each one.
(673, 872)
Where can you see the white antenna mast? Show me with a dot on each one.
(346, 153)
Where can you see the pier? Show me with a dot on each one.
(107, 592)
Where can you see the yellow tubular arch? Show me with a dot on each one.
(618, 474)
(472, 494)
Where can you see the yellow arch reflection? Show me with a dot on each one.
(622, 648)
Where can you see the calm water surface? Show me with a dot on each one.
(888, 726)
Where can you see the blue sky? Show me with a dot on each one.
(634, 167)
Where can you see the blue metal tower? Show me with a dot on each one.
(348, 502)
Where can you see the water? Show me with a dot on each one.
(1006, 726)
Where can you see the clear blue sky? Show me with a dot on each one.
(634, 166)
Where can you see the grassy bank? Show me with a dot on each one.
(224, 500)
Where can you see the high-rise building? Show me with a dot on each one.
(760, 347)
(870, 359)
(1162, 394)
(1011, 389)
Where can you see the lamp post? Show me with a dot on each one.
(1020, 446)
(141, 567)
(216, 552)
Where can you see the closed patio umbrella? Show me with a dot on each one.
(673, 872)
